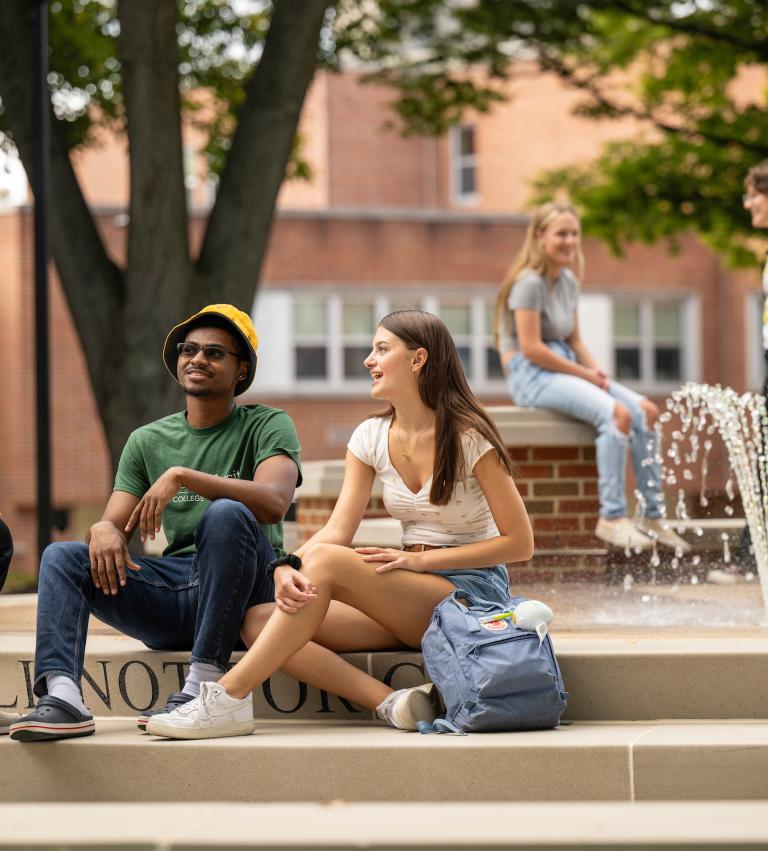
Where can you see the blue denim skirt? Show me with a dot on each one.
(489, 584)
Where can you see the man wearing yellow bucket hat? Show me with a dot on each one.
(219, 478)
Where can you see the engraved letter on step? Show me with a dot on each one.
(391, 672)
(104, 696)
(179, 671)
(152, 682)
(27, 665)
(270, 700)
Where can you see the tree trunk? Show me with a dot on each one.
(158, 271)
(239, 225)
(92, 283)
(122, 317)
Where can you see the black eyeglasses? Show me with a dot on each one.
(211, 353)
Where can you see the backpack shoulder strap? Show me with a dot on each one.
(439, 725)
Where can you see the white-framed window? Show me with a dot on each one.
(463, 154)
(655, 341)
(310, 335)
(358, 325)
(494, 371)
(314, 342)
(457, 315)
(330, 336)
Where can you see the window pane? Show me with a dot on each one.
(311, 362)
(489, 308)
(666, 321)
(628, 363)
(667, 363)
(353, 361)
(467, 180)
(358, 319)
(465, 355)
(309, 317)
(467, 140)
(626, 321)
(493, 364)
(456, 317)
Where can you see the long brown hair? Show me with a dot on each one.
(531, 256)
(444, 389)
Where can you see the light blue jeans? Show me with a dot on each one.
(532, 386)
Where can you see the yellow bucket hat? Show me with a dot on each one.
(235, 320)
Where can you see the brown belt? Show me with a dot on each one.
(420, 548)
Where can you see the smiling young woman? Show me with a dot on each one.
(549, 366)
(447, 477)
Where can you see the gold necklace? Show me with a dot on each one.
(407, 455)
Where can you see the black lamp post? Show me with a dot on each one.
(40, 189)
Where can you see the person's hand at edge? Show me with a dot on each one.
(293, 590)
(148, 514)
(109, 556)
(391, 559)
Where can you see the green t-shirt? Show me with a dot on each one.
(233, 448)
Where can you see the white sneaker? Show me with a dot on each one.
(661, 529)
(725, 576)
(211, 715)
(622, 533)
(6, 719)
(403, 708)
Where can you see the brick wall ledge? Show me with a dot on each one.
(539, 427)
(518, 427)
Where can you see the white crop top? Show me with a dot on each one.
(465, 520)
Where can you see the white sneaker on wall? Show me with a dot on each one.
(664, 533)
(622, 533)
(212, 715)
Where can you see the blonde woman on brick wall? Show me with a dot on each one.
(447, 477)
(548, 365)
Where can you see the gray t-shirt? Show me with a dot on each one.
(556, 302)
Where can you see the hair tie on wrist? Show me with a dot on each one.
(291, 559)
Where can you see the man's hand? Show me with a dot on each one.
(292, 589)
(392, 559)
(109, 557)
(149, 512)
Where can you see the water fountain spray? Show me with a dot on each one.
(742, 423)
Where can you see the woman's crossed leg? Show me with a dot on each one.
(381, 611)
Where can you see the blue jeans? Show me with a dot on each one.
(532, 386)
(194, 601)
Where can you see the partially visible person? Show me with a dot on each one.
(218, 477)
(447, 477)
(6, 551)
(549, 365)
(755, 200)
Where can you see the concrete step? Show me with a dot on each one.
(287, 761)
(610, 678)
(287, 827)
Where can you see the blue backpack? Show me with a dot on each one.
(491, 676)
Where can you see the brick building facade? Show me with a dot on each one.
(387, 222)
